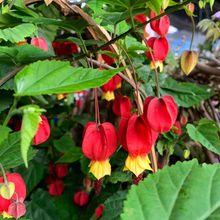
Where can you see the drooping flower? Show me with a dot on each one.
(160, 49)
(160, 113)
(177, 129)
(43, 131)
(121, 105)
(56, 187)
(109, 88)
(81, 198)
(99, 143)
(40, 42)
(16, 209)
(161, 25)
(99, 210)
(136, 137)
(109, 60)
(64, 48)
(61, 170)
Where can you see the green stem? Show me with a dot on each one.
(3, 174)
(193, 31)
(84, 49)
(13, 107)
(11, 4)
(132, 19)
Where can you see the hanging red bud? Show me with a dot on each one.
(191, 8)
(109, 60)
(43, 131)
(56, 187)
(183, 119)
(177, 129)
(64, 48)
(87, 182)
(99, 210)
(188, 61)
(81, 198)
(161, 25)
(161, 113)
(61, 170)
(99, 143)
(40, 42)
(160, 49)
(16, 209)
(121, 105)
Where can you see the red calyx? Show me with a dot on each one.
(81, 198)
(99, 142)
(160, 113)
(99, 210)
(112, 84)
(20, 189)
(56, 187)
(109, 60)
(160, 48)
(161, 25)
(40, 42)
(64, 48)
(121, 105)
(135, 134)
(43, 131)
(177, 129)
(61, 170)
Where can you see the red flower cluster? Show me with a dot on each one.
(40, 42)
(159, 45)
(99, 143)
(64, 48)
(43, 132)
(81, 198)
(56, 185)
(7, 205)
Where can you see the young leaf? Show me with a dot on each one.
(4, 131)
(53, 77)
(173, 191)
(206, 133)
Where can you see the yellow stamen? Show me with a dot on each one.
(137, 164)
(6, 215)
(108, 96)
(100, 168)
(60, 96)
(158, 64)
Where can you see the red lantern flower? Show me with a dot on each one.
(16, 209)
(121, 105)
(177, 129)
(136, 137)
(43, 131)
(161, 25)
(160, 113)
(160, 49)
(64, 48)
(99, 210)
(40, 42)
(109, 60)
(20, 190)
(56, 187)
(81, 198)
(61, 170)
(99, 143)
(109, 88)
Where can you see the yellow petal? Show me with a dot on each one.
(158, 64)
(6, 215)
(137, 164)
(100, 168)
(118, 86)
(108, 96)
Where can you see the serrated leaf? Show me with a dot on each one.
(71, 155)
(206, 133)
(113, 206)
(170, 193)
(4, 131)
(41, 206)
(17, 33)
(30, 121)
(10, 151)
(132, 44)
(64, 144)
(53, 77)
(119, 176)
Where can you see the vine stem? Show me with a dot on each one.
(193, 32)
(3, 174)
(97, 115)
(84, 49)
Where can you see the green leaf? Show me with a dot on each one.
(31, 176)
(30, 121)
(170, 193)
(71, 155)
(185, 94)
(52, 77)
(155, 5)
(113, 206)
(41, 206)
(6, 99)
(206, 133)
(10, 151)
(4, 131)
(64, 144)
(211, 2)
(132, 44)
(119, 176)
(17, 33)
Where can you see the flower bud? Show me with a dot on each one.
(188, 61)
(190, 7)
(87, 182)
(61, 170)
(40, 42)
(186, 153)
(99, 210)
(81, 198)
(183, 119)
(177, 129)
(16, 209)
(56, 187)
